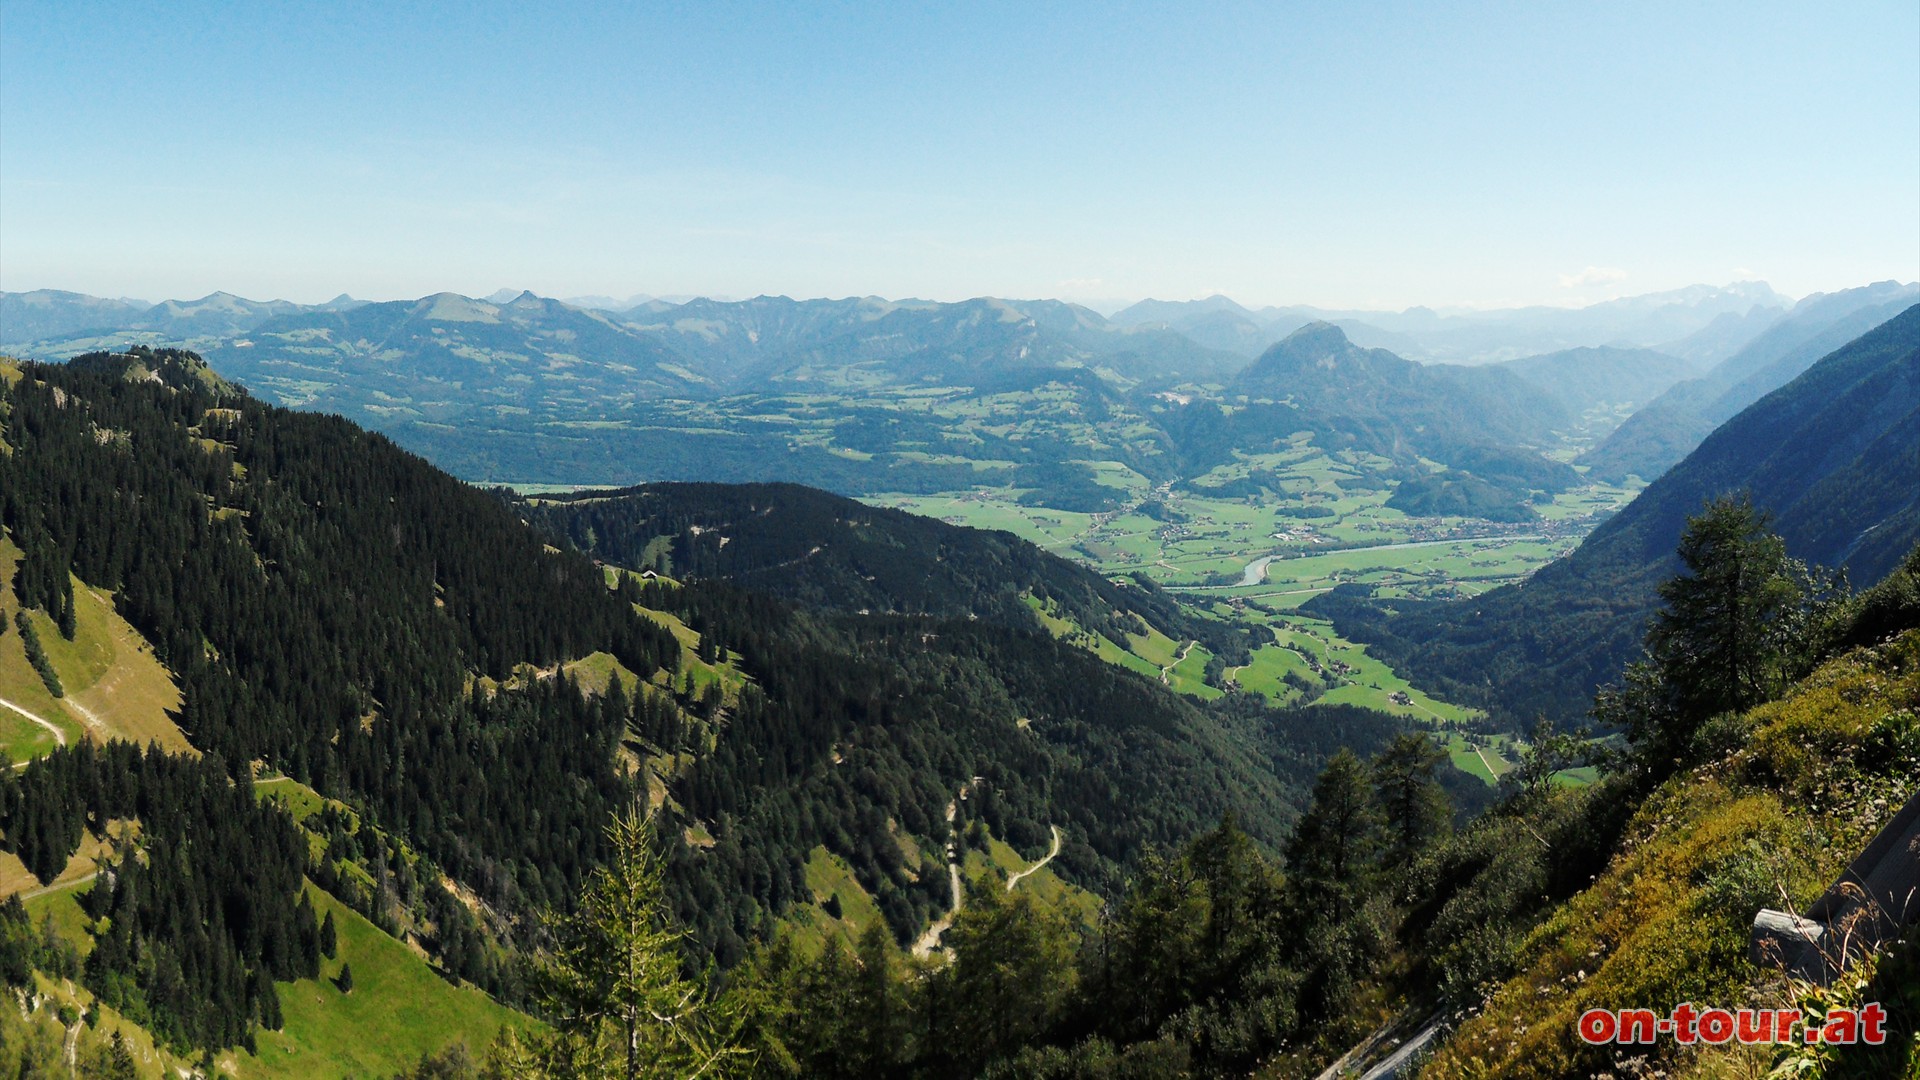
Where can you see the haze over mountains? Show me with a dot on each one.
(526, 388)
(1697, 323)
(1675, 422)
(1833, 455)
(1670, 321)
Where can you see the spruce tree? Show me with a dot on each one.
(1413, 804)
(1330, 857)
(1724, 641)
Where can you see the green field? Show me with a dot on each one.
(994, 867)
(398, 1010)
(1322, 521)
(1490, 760)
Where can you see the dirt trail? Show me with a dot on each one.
(928, 941)
(58, 735)
(1489, 765)
(1166, 673)
(1055, 850)
(57, 886)
(89, 717)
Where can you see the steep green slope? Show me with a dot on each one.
(1791, 791)
(398, 1009)
(1831, 454)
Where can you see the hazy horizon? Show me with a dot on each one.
(1103, 306)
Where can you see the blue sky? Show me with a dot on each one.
(1337, 154)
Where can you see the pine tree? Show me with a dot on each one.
(1718, 637)
(1011, 974)
(345, 979)
(1723, 640)
(329, 937)
(118, 1063)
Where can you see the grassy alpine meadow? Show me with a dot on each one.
(397, 1010)
(112, 686)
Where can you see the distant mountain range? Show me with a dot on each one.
(1833, 455)
(721, 343)
(443, 355)
(1434, 407)
(1702, 322)
(528, 387)
(1588, 378)
(1673, 423)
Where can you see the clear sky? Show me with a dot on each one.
(1338, 154)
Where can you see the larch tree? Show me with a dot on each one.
(613, 986)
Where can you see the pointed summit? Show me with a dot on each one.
(1315, 340)
(1320, 354)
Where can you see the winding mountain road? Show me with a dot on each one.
(929, 940)
(1166, 673)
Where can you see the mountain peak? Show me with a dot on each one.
(1319, 335)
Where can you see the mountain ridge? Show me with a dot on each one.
(1831, 454)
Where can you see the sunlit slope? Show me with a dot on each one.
(397, 1010)
(114, 687)
(1797, 788)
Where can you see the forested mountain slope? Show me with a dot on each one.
(826, 551)
(1833, 455)
(1580, 379)
(323, 599)
(482, 698)
(1671, 425)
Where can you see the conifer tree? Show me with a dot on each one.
(1331, 854)
(614, 989)
(1724, 641)
(1414, 806)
